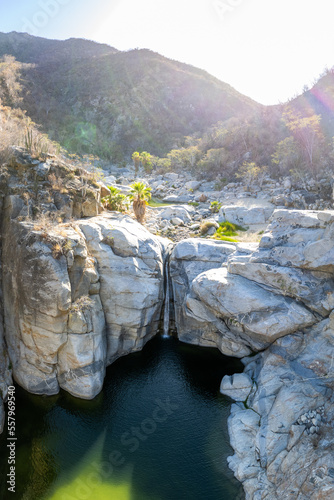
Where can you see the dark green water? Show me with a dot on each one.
(157, 432)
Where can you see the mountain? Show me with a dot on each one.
(319, 100)
(93, 98)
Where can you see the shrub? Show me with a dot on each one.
(116, 201)
(226, 230)
(205, 226)
(215, 207)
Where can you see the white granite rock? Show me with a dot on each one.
(237, 386)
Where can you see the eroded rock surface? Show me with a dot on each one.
(283, 437)
(131, 263)
(79, 296)
(276, 299)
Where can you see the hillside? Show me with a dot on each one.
(320, 100)
(95, 99)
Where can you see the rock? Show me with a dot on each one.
(110, 180)
(104, 190)
(211, 231)
(245, 216)
(177, 222)
(289, 388)
(42, 170)
(173, 198)
(299, 239)
(315, 290)
(260, 317)
(193, 185)
(174, 211)
(64, 321)
(202, 198)
(172, 177)
(237, 386)
(90, 208)
(131, 290)
(195, 323)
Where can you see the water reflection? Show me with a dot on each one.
(156, 432)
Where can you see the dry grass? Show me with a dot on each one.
(250, 237)
(205, 226)
(82, 303)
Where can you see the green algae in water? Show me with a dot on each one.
(113, 448)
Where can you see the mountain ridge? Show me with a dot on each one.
(93, 98)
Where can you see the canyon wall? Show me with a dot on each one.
(275, 299)
(77, 295)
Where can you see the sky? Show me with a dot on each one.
(266, 49)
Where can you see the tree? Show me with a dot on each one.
(249, 172)
(213, 163)
(136, 157)
(306, 132)
(146, 160)
(163, 165)
(287, 156)
(140, 194)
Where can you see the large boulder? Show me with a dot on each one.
(314, 289)
(76, 297)
(41, 294)
(244, 216)
(195, 323)
(131, 266)
(297, 238)
(256, 316)
(241, 297)
(175, 211)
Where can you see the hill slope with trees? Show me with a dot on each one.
(94, 99)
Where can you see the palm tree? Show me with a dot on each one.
(140, 194)
(146, 159)
(137, 158)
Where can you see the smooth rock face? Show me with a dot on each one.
(262, 316)
(37, 307)
(314, 289)
(78, 299)
(237, 386)
(195, 323)
(243, 216)
(130, 262)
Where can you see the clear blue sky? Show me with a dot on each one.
(267, 49)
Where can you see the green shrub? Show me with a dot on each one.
(215, 207)
(116, 201)
(226, 230)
